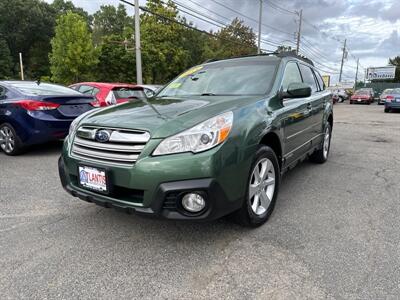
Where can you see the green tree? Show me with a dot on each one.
(6, 63)
(27, 26)
(73, 57)
(61, 7)
(236, 39)
(163, 53)
(395, 61)
(110, 20)
(116, 64)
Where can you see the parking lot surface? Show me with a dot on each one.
(334, 234)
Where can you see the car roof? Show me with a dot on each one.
(106, 84)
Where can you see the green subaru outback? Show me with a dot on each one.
(214, 141)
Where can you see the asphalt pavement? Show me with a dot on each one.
(334, 234)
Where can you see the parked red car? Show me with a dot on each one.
(109, 93)
(362, 96)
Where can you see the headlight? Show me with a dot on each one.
(203, 136)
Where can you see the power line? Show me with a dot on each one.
(249, 18)
(280, 8)
(183, 24)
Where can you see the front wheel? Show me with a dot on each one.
(387, 110)
(321, 155)
(262, 189)
(9, 141)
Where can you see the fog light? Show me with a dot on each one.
(193, 202)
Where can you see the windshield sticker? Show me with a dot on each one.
(175, 85)
(191, 71)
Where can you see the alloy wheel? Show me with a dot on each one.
(7, 139)
(262, 186)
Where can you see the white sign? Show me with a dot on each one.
(381, 73)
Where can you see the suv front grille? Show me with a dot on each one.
(123, 147)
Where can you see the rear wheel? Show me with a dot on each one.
(321, 155)
(9, 141)
(387, 110)
(262, 189)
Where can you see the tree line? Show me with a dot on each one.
(63, 43)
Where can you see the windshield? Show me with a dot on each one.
(239, 77)
(32, 88)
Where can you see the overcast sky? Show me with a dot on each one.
(371, 27)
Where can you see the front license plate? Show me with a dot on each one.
(93, 178)
(397, 99)
(359, 100)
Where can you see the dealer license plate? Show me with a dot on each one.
(93, 178)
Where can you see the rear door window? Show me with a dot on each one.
(308, 77)
(320, 81)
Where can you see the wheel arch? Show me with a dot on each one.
(272, 140)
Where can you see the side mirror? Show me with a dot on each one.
(297, 90)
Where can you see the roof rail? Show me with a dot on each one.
(241, 56)
(293, 54)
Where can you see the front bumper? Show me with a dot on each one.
(362, 100)
(164, 201)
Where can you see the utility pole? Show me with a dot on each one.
(355, 84)
(139, 79)
(299, 32)
(343, 57)
(21, 65)
(259, 29)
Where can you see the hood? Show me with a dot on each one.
(163, 117)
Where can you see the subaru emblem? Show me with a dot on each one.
(102, 136)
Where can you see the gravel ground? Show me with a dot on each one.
(334, 233)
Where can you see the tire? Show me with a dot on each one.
(10, 143)
(351, 102)
(321, 155)
(261, 193)
(387, 110)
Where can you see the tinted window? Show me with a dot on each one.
(308, 77)
(32, 88)
(88, 90)
(2, 92)
(124, 93)
(232, 77)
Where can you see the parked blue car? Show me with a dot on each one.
(392, 101)
(33, 113)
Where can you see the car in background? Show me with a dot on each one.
(340, 95)
(392, 101)
(371, 91)
(33, 113)
(361, 96)
(382, 97)
(109, 93)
